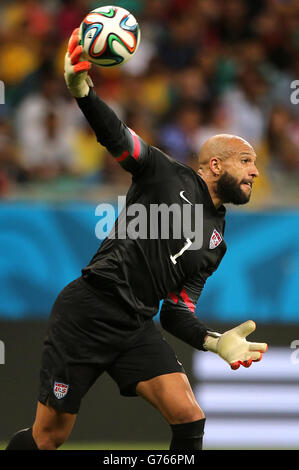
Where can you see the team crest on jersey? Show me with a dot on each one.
(60, 390)
(215, 239)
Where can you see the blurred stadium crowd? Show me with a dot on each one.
(203, 67)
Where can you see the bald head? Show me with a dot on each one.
(227, 165)
(222, 146)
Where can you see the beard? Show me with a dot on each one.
(228, 189)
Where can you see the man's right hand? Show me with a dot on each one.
(76, 68)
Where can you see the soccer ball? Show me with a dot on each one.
(109, 36)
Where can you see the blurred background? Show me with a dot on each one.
(203, 67)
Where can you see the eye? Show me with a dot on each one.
(245, 160)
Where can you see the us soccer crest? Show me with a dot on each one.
(215, 240)
(60, 390)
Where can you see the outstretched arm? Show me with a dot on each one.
(128, 149)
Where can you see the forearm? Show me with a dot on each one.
(106, 125)
(131, 152)
(185, 326)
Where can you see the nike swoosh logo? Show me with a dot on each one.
(184, 197)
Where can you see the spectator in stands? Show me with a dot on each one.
(232, 59)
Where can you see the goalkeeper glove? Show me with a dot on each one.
(233, 347)
(76, 69)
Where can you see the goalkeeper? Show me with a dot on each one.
(102, 321)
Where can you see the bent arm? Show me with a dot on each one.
(178, 317)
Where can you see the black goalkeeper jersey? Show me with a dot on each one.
(143, 270)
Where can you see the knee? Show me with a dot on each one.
(49, 439)
(186, 414)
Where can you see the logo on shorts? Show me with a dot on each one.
(215, 240)
(60, 390)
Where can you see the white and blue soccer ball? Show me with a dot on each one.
(109, 35)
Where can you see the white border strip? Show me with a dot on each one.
(275, 365)
(250, 434)
(243, 398)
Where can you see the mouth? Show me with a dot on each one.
(248, 184)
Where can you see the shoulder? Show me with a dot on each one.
(190, 176)
(161, 164)
(177, 166)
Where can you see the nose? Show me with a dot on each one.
(254, 171)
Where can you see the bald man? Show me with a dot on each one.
(103, 321)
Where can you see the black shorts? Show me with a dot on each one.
(90, 333)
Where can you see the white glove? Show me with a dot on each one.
(75, 68)
(233, 347)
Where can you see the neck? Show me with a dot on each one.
(211, 185)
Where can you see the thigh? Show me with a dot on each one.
(172, 396)
(147, 355)
(84, 337)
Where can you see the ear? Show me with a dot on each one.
(215, 165)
